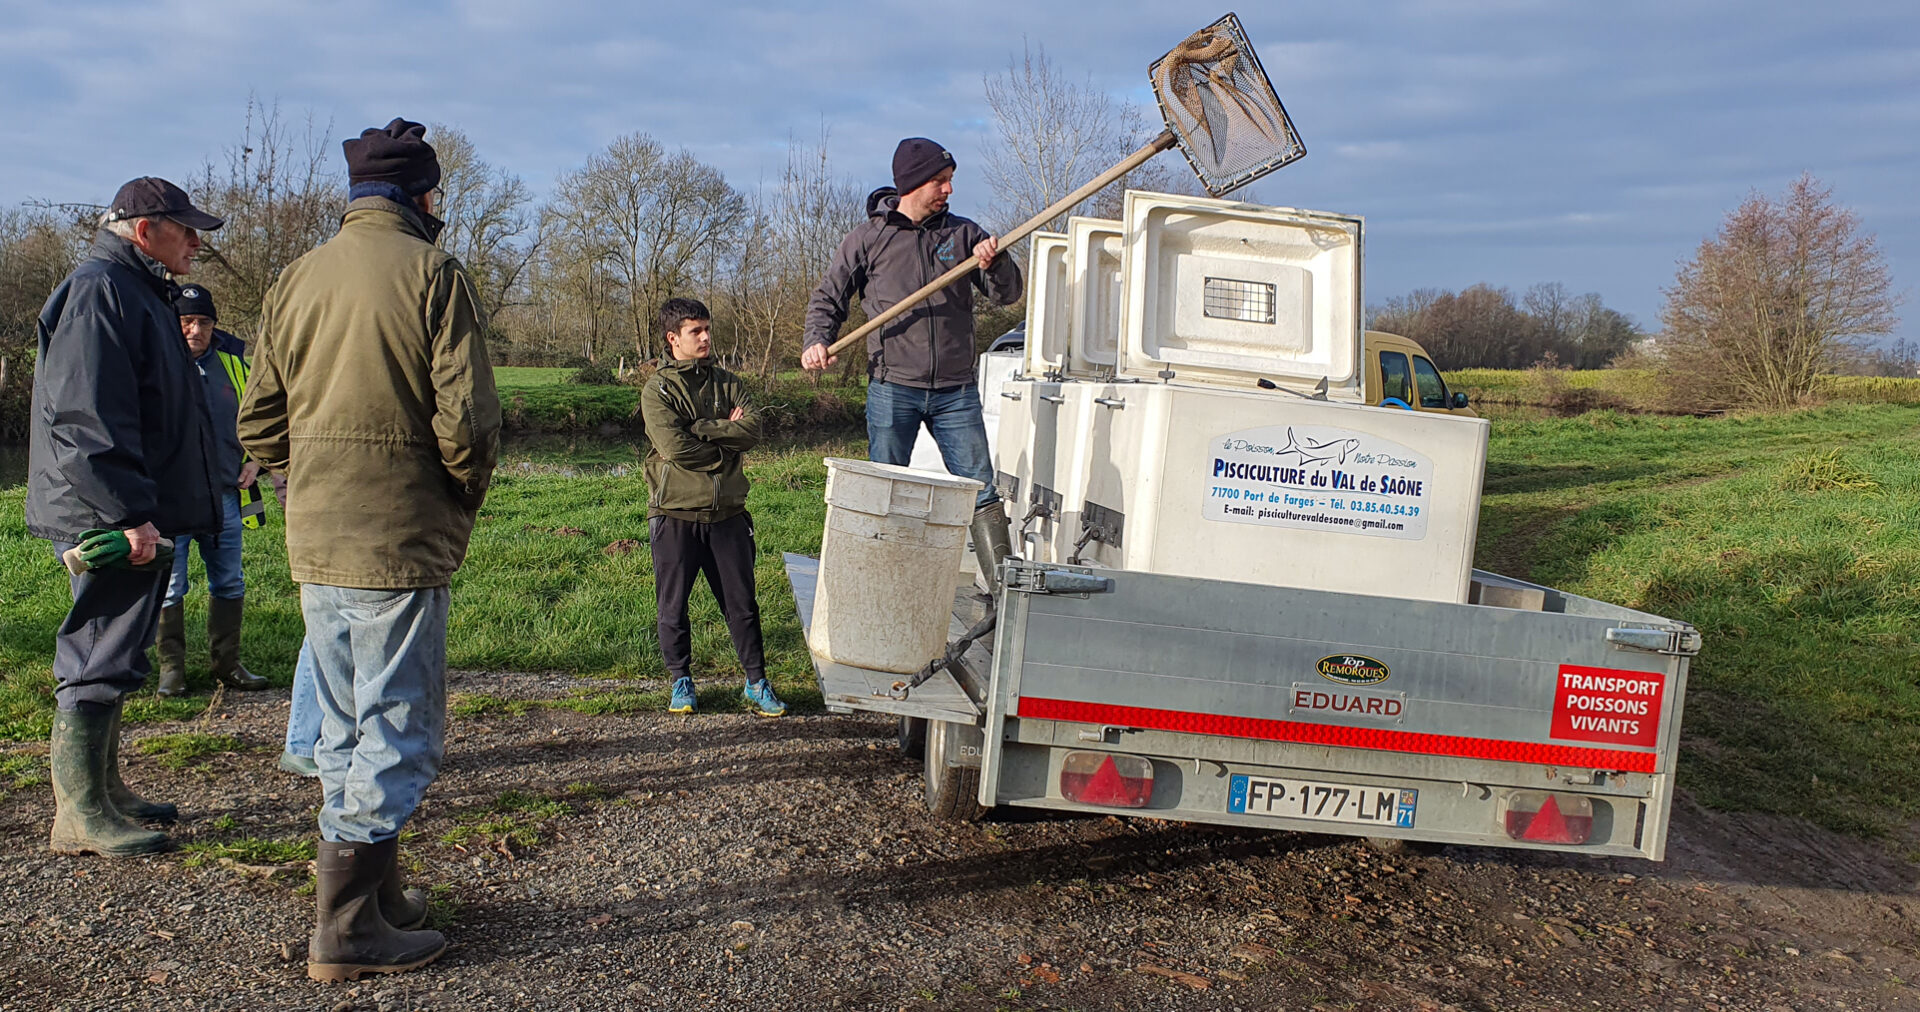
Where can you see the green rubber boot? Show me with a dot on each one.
(992, 543)
(223, 642)
(84, 818)
(171, 646)
(131, 805)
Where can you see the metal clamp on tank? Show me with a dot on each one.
(1099, 523)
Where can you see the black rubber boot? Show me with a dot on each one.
(171, 646)
(84, 818)
(223, 643)
(991, 541)
(403, 908)
(351, 937)
(131, 805)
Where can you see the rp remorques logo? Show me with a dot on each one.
(1352, 669)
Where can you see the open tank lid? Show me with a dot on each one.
(1049, 302)
(1222, 293)
(1099, 295)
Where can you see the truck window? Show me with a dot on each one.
(1433, 389)
(1394, 377)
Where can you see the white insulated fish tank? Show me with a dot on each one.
(1194, 407)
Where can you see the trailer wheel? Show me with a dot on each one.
(913, 737)
(1406, 848)
(953, 792)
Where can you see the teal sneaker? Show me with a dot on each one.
(682, 701)
(299, 765)
(760, 694)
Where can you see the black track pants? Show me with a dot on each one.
(682, 550)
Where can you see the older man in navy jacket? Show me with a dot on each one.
(121, 447)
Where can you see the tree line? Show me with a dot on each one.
(1484, 327)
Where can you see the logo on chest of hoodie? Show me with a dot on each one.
(944, 252)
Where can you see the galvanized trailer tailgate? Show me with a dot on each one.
(1234, 678)
(847, 689)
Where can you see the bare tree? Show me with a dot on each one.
(39, 245)
(649, 216)
(490, 226)
(281, 195)
(1773, 299)
(1052, 134)
(797, 231)
(575, 291)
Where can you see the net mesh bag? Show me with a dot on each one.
(1216, 98)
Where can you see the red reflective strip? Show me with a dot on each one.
(1334, 734)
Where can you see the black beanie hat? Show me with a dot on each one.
(397, 154)
(917, 160)
(194, 300)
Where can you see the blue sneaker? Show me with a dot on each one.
(760, 694)
(682, 701)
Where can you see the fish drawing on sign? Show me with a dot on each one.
(1310, 452)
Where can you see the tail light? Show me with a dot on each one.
(1102, 778)
(1540, 817)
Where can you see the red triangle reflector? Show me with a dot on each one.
(1548, 825)
(1106, 787)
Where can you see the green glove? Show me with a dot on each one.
(101, 549)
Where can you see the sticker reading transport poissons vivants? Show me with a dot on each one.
(1608, 705)
(1319, 478)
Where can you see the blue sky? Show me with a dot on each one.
(1507, 141)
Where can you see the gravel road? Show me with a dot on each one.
(640, 861)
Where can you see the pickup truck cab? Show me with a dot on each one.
(1400, 374)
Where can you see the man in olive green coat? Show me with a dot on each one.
(699, 424)
(371, 390)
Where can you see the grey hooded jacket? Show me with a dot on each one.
(888, 257)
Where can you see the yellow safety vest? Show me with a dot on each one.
(253, 508)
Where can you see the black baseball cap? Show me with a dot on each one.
(151, 195)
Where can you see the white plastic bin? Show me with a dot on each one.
(894, 538)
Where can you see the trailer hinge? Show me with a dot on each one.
(1056, 581)
(1673, 642)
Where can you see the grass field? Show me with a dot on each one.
(1639, 389)
(529, 375)
(1792, 541)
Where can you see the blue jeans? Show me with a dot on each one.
(380, 667)
(303, 716)
(952, 417)
(221, 553)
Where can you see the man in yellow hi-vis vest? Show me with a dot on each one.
(224, 374)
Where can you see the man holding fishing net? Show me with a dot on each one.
(920, 366)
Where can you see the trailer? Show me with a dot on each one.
(1244, 596)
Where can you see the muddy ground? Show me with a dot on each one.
(644, 861)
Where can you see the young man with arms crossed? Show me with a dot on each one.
(700, 424)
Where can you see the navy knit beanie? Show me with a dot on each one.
(917, 160)
(397, 153)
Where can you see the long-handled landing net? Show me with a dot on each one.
(1220, 110)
